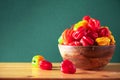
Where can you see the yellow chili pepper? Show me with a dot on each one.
(102, 41)
(82, 23)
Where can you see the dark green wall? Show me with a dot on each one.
(30, 27)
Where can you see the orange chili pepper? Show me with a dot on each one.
(102, 41)
(112, 42)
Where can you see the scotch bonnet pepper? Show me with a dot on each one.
(87, 32)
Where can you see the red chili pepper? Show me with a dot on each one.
(75, 43)
(92, 34)
(86, 41)
(86, 18)
(94, 24)
(104, 31)
(77, 35)
(45, 65)
(68, 67)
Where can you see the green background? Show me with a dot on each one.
(30, 27)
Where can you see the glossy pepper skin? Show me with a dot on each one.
(82, 23)
(75, 43)
(78, 34)
(87, 18)
(86, 41)
(104, 32)
(67, 36)
(36, 59)
(87, 32)
(94, 24)
(45, 65)
(68, 67)
(102, 41)
(92, 34)
(112, 42)
(60, 40)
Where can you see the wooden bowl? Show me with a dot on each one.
(89, 57)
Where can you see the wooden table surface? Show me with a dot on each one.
(25, 71)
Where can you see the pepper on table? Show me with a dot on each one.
(25, 71)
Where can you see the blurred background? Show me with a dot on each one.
(31, 27)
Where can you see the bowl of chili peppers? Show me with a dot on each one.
(87, 44)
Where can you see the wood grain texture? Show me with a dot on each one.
(25, 71)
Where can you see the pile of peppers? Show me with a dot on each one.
(87, 32)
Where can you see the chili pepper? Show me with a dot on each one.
(102, 41)
(82, 23)
(104, 31)
(112, 42)
(86, 41)
(45, 65)
(68, 67)
(78, 34)
(67, 36)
